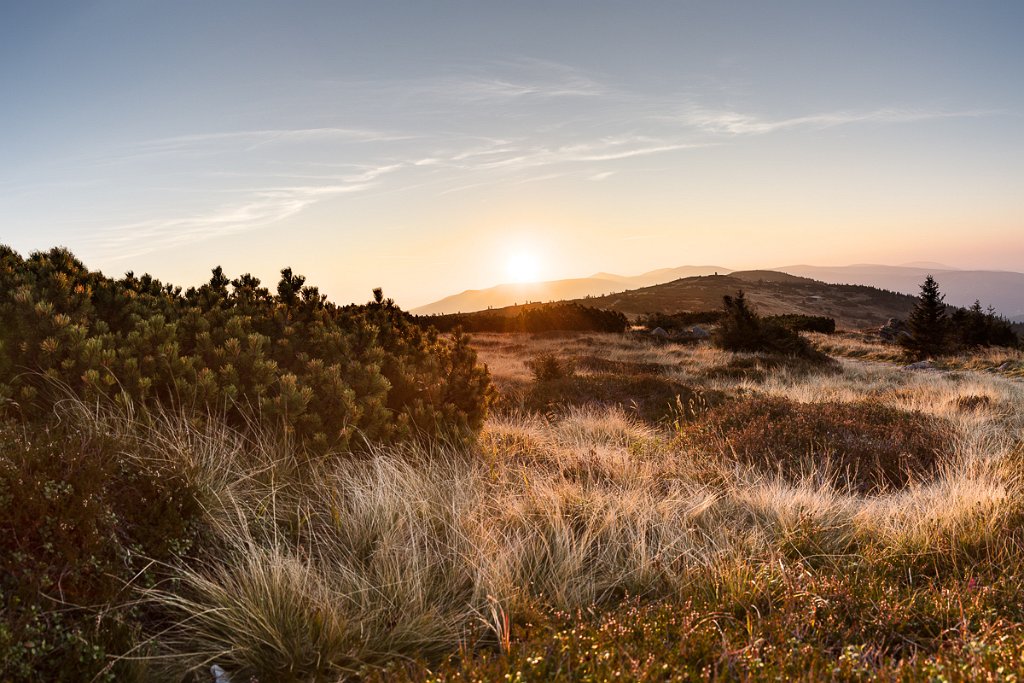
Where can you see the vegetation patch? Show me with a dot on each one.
(757, 368)
(334, 377)
(827, 625)
(653, 398)
(741, 329)
(865, 446)
(555, 317)
(617, 367)
(804, 323)
(81, 521)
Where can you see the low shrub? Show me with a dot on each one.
(82, 520)
(549, 366)
(556, 317)
(867, 446)
(679, 321)
(741, 329)
(334, 377)
(652, 398)
(804, 323)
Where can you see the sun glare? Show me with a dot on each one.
(522, 265)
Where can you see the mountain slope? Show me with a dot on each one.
(772, 292)
(557, 290)
(1004, 290)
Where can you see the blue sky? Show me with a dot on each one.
(418, 145)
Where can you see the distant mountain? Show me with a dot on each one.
(1003, 290)
(557, 290)
(929, 265)
(772, 292)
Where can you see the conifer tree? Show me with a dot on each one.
(928, 324)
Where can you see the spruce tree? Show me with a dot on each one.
(928, 324)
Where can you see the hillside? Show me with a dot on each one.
(557, 290)
(1003, 290)
(772, 292)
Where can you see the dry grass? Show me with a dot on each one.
(315, 572)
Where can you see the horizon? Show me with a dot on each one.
(434, 150)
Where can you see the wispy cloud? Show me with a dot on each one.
(504, 82)
(726, 122)
(515, 122)
(257, 209)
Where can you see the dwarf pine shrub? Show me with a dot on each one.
(742, 329)
(332, 376)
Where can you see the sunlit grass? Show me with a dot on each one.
(471, 558)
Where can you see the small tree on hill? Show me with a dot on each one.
(928, 324)
(740, 328)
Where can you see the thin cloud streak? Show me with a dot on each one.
(260, 209)
(725, 122)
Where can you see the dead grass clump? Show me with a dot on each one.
(971, 403)
(862, 446)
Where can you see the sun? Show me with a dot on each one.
(522, 265)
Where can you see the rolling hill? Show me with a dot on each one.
(1003, 290)
(557, 290)
(772, 292)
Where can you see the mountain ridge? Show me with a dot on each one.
(1002, 289)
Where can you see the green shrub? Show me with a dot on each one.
(741, 329)
(333, 377)
(804, 323)
(81, 522)
(557, 317)
(549, 366)
(974, 327)
(679, 321)
(869, 446)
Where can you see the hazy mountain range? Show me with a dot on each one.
(1004, 290)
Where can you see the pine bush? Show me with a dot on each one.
(334, 377)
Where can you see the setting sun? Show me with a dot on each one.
(522, 265)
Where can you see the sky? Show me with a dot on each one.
(432, 147)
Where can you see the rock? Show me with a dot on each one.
(219, 675)
(920, 365)
(892, 330)
(659, 332)
(1006, 367)
(698, 332)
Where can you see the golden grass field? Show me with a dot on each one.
(580, 542)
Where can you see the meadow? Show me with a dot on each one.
(630, 510)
